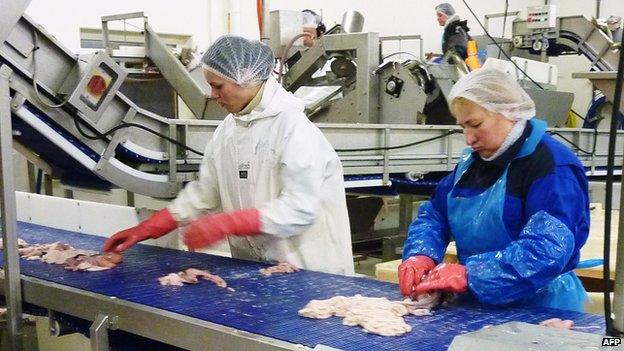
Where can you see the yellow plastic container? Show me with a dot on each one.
(472, 61)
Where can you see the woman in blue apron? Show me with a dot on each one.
(517, 206)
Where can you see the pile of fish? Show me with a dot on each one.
(20, 243)
(282, 267)
(192, 276)
(423, 304)
(376, 315)
(558, 323)
(71, 258)
(99, 262)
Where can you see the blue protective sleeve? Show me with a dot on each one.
(429, 233)
(538, 255)
(564, 195)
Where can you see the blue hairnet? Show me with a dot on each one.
(496, 91)
(245, 62)
(445, 8)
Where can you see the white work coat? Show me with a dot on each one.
(276, 160)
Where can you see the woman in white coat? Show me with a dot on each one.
(269, 181)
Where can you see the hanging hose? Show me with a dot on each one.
(292, 41)
(259, 13)
(34, 78)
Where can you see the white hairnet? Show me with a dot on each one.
(496, 91)
(245, 62)
(445, 8)
(614, 19)
(310, 18)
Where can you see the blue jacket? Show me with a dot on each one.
(551, 179)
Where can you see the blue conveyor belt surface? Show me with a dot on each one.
(268, 305)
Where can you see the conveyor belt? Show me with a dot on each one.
(399, 184)
(268, 305)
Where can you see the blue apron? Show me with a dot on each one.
(478, 227)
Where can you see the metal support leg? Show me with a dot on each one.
(69, 194)
(406, 208)
(98, 333)
(386, 155)
(391, 246)
(12, 281)
(38, 181)
(618, 287)
(173, 155)
(32, 177)
(53, 325)
(129, 198)
(47, 184)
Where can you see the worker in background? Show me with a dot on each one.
(516, 205)
(312, 95)
(269, 181)
(455, 35)
(614, 23)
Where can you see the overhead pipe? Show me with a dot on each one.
(264, 36)
(259, 17)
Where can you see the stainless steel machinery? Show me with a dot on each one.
(97, 131)
(67, 112)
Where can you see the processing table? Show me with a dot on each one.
(261, 314)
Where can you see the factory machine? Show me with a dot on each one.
(376, 88)
(68, 113)
(370, 87)
(102, 136)
(544, 34)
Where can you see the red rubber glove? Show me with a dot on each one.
(411, 272)
(211, 228)
(159, 224)
(450, 277)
